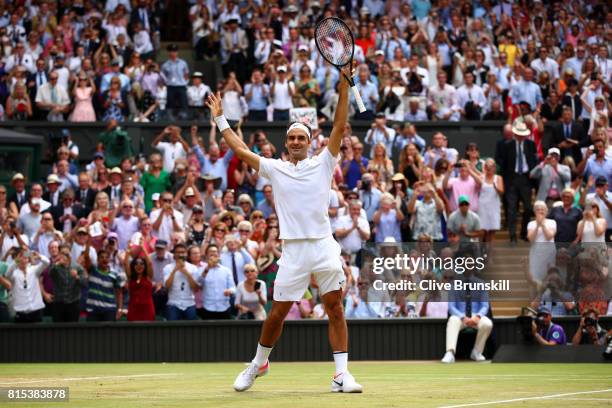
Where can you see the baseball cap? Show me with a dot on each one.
(172, 47)
(463, 199)
(82, 230)
(160, 243)
(197, 209)
(543, 310)
(380, 115)
(379, 52)
(115, 170)
(36, 201)
(197, 74)
(116, 61)
(155, 197)
(282, 68)
(98, 155)
(112, 235)
(303, 48)
(601, 181)
(189, 192)
(554, 150)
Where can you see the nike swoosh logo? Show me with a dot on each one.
(337, 383)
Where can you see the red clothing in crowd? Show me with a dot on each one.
(141, 306)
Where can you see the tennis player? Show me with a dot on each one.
(301, 188)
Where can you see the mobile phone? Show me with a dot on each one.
(257, 285)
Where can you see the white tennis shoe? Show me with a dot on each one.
(448, 358)
(477, 356)
(247, 377)
(345, 383)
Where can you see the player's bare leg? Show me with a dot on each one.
(343, 381)
(270, 333)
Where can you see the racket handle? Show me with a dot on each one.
(358, 99)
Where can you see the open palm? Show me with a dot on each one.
(214, 104)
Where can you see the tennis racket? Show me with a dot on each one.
(336, 45)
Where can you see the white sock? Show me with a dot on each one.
(262, 355)
(341, 360)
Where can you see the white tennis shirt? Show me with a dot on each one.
(301, 194)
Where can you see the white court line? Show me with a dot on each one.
(106, 377)
(476, 404)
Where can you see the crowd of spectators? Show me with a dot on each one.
(191, 231)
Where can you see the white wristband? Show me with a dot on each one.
(222, 123)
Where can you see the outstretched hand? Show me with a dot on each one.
(214, 104)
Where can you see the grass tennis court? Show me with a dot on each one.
(386, 384)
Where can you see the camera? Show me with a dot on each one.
(13, 224)
(257, 285)
(366, 184)
(589, 321)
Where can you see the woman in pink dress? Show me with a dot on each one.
(83, 92)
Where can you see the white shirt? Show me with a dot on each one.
(375, 136)
(549, 65)
(352, 242)
(475, 94)
(26, 292)
(142, 42)
(301, 194)
(196, 95)
(78, 249)
(166, 227)
(281, 99)
(180, 293)
(171, 152)
(9, 243)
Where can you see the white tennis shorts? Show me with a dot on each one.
(301, 258)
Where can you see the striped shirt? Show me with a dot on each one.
(101, 294)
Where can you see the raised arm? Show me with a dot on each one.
(235, 143)
(341, 115)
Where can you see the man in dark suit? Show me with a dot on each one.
(518, 156)
(35, 81)
(85, 195)
(144, 16)
(20, 196)
(66, 215)
(568, 136)
(52, 194)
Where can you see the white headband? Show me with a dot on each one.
(301, 126)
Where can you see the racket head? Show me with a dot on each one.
(335, 41)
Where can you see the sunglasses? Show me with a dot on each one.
(463, 204)
(128, 206)
(139, 262)
(257, 217)
(244, 231)
(250, 270)
(167, 200)
(219, 230)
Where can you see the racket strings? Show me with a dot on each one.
(335, 41)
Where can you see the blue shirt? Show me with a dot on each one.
(367, 91)
(371, 201)
(554, 332)
(390, 45)
(526, 91)
(420, 8)
(265, 208)
(216, 281)
(106, 79)
(218, 168)
(334, 75)
(598, 168)
(479, 302)
(174, 72)
(402, 141)
(241, 258)
(258, 101)
(353, 174)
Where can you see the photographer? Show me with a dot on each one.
(544, 331)
(589, 331)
